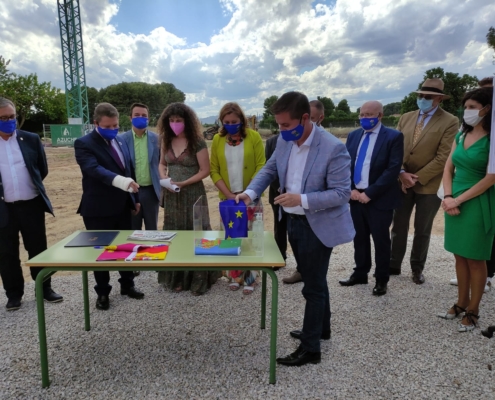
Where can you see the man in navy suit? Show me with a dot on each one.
(23, 203)
(376, 158)
(109, 196)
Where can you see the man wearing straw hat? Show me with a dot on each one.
(428, 136)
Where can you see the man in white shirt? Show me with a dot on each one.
(313, 168)
(23, 203)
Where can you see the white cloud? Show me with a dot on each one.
(355, 49)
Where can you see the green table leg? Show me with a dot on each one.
(273, 333)
(263, 299)
(40, 305)
(87, 322)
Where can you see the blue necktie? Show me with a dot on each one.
(358, 169)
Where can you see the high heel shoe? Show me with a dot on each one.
(488, 332)
(457, 311)
(472, 323)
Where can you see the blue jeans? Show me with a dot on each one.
(312, 258)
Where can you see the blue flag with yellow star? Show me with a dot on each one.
(234, 218)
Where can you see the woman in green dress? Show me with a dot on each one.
(468, 203)
(184, 159)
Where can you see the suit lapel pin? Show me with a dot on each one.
(22, 138)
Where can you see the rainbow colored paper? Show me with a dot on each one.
(132, 251)
(218, 247)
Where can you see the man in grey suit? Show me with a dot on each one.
(145, 155)
(315, 198)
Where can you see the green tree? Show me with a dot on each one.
(327, 104)
(455, 86)
(156, 96)
(391, 108)
(93, 100)
(3, 69)
(268, 118)
(343, 106)
(29, 95)
(490, 37)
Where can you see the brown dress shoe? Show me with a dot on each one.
(294, 278)
(418, 278)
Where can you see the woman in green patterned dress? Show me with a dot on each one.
(184, 159)
(469, 205)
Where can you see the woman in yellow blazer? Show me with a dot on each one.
(237, 155)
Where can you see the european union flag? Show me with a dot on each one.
(234, 218)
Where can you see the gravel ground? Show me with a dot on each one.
(183, 347)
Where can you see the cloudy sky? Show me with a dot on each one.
(246, 50)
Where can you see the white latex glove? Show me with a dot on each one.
(123, 183)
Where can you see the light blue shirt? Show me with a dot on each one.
(427, 119)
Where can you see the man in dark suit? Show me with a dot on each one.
(279, 220)
(23, 203)
(376, 158)
(109, 196)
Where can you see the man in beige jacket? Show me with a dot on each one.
(428, 136)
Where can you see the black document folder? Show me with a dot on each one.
(87, 239)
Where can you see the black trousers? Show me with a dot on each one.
(490, 264)
(312, 258)
(370, 221)
(28, 218)
(117, 222)
(280, 230)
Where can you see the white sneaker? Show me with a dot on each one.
(453, 282)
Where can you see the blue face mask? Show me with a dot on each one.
(293, 134)
(424, 105)
(368, 123)
(8, 127)
(108, 134)
(140, 122)
(232, 129)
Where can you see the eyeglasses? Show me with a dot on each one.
(425, 96)
(6, 118)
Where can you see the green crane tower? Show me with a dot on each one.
(76, 94)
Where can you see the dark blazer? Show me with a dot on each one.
(270, 146)
(99, 168)
(386, 162)
(153, 156)
(35, 160)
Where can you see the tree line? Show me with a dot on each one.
(39, 103)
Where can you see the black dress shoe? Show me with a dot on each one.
(300, 357)
(394, 271)
(325, 335)
(418, 278)
(102, 303)
(380, 289)
(353, 280)
(488, 332)
(13, 304)
(51, 297)
(132, 292)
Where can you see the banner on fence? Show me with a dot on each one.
(65, 135)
